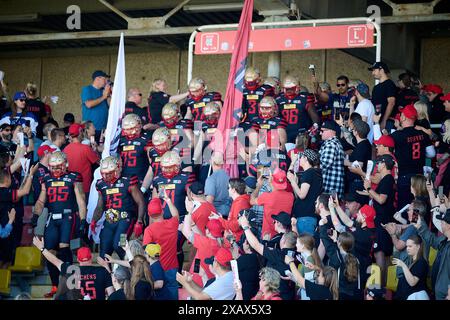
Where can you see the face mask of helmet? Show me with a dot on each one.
(266, 112)
(251, 85)
(170, 122)
(197, 95)
(290, 93)
(170, 171)
(110, 176)
(162, 147)
(57, 170)
(212, 119)
(132, 133)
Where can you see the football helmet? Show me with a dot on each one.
(57, 164)
(169, 115)
(252, 78)
(170, 164)
(110, 169)
(197, 89)
(131, 126)
(161, 140)
(274, 82)
(211, 113)
(291, 87)
(268, 108)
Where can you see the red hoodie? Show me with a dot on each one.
(240, 203)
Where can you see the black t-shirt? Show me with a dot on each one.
(423, 123)
(131, 107)
(364, 239)
(317, 291)
(306, 207)
(410, 150)
(405, 97)
(385, 212)
(381, 92)
(419, 270)
(274, 242)
(275, 260)
(118, 295)
(248, 266)
(7, 197)
(361, 153)
(94, 280)
(143, 291)
(156, 102)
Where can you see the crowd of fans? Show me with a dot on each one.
(326, 187)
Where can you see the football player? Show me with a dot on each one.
(253, 93)
(198, 98)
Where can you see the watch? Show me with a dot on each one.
(42, 250)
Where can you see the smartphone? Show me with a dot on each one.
(234, 268)
(123, 240)
(378, 109)
(337, 113)
(21, 139)
(197, 265)
(334, 193)
(291, 253)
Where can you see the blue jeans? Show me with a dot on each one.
(306, 225)
(172, 284)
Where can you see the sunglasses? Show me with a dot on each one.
(22, 100)
(340, 84)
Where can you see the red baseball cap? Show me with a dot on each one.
(48, 109)
(75, 129)
(386, 141)
(433, 88)
(223, 256)
(279, 180)
(84, 254)
(368, 212)
(215, 227)
(154, 207)
(43, 150)
(409, 111)
(446, 97)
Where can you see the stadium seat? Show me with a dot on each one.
(28, 259)
(432, 256)
(374, 279)
(5, 280)
(392, 280)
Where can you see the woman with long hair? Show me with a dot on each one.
(423, 120)
(141, 279)
(443, 158)
(413, 285)
(19, 114)
(158, 98)
(121, 280)
(308, 255)
(269, 285)
(420, 193)
(339, 251)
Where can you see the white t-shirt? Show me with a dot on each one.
(366, 109)
(222, 288)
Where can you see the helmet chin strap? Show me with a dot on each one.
(170, 125)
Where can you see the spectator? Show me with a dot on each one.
(58, 139)
(202, 209)
(35, 106)
(80, 157)
(341, 99)
(141, 284)
(221, 288)
(420, 193)
(94, 100)
(165, 233)
(68, 119)
(365, 107)
(273, 202)
(274, 256)
(241, 201)
(440, 273)
(4, 96)
(134, 99)
(5, 230)
(282, 224)
(406, 94)
(434, 93)
(332, 158)
(6, 137)
(384, 94)
(248, 267)
(411, 148)
(443, 158)
(269, 285)
(215, 190)
(306, 192)
(89, 138)
(152, 253)
(446, 101)
(158, 98)
(121, 280)
(19, 114)
(383, 203)
(413, 285)
(46, 131)
(423, 120)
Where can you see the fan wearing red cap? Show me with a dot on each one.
(384, 146)
(117, 199)
(206, 245)
(274, 202)
(165, 233)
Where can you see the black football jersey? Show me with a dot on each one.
(197, 106)
(117, 195)
(61, 192)
(251, 99)
(134, 156)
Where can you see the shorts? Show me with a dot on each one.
(383, 242)
(60, 230)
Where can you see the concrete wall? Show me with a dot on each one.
(64, 76)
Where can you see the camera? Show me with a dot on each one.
(245, 213)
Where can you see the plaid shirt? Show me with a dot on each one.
(332, 165)
(259, 210)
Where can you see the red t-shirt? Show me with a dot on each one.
(80, 158)
(274, 202)
(200, 216)
(206, 248)
(165, 233)
(240, 203)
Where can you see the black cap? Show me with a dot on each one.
(354, 197)
(4, 126)
(69, 117)
(250, 182)
(379, 65)
(387, 159)
(197, 188)
(444, 216)
(332, 125)
(100, 73)
(283, 217)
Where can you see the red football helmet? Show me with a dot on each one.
(267, 108)
(57, 164)
(131, 126)
(110, 169)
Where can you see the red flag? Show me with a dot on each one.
(231, 110)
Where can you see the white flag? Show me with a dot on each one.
(112, 132)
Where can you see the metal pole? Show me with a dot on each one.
(378, 45)
(191, 55)
(274, 64)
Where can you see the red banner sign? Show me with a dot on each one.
(285, 39)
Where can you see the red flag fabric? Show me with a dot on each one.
(231, 110)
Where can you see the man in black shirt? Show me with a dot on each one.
(282, 223)
(93, 281)
(411, 148)
(384, 93)
(134, 97)
(275, 257)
